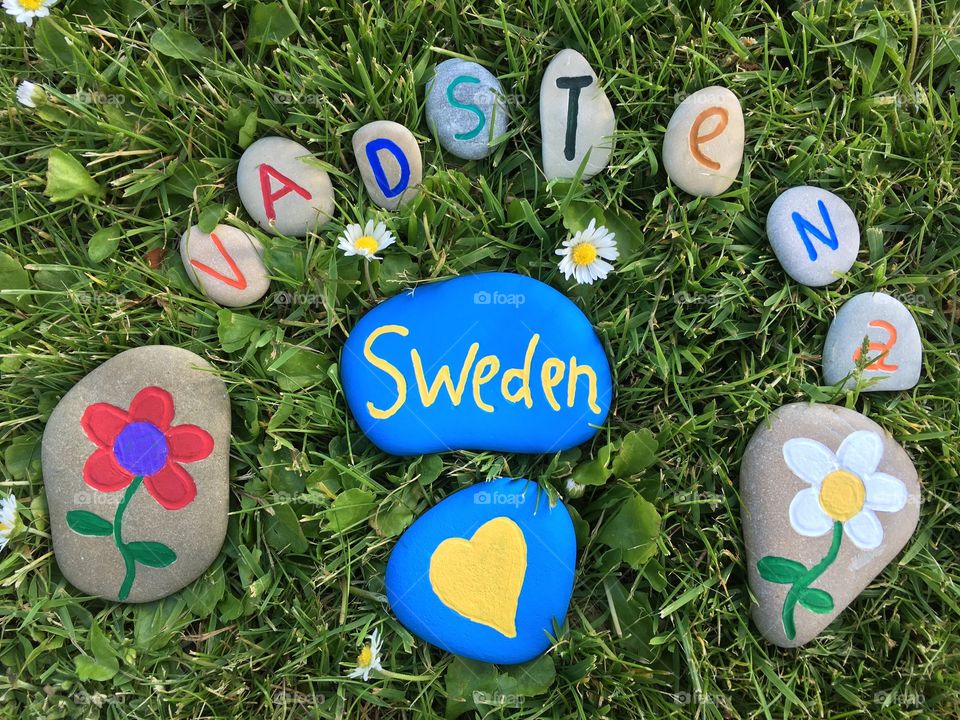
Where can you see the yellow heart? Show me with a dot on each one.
(481, 578)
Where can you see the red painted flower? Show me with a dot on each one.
(141, 442)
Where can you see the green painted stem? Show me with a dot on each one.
(128, 561)
(804, 581)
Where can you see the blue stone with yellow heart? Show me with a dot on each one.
(487, 572)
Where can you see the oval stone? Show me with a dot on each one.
(703, 145)
(828, 500)
(814, 235)
(490, 362)
(465, 108)
(225, 265)
(486, 573)
(282, 188)
(135, 469)
(390, 164)
(576, 118)
(894, 350)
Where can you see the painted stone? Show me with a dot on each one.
(703, 145)
(486, 572)
(390, 163)
(828, 500)
(225, 265)
(282, 188)
(894, 348)
(465, 108)
(814, 235)
(495, 361)
(576, 118)
(135, 468)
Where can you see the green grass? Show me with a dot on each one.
(705, 333)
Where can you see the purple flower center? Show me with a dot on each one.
(141, 448)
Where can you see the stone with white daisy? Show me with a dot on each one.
(585, 256)
(366, 240)
(828, 499)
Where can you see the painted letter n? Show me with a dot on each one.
(807, 228)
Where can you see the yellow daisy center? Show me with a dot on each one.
(365, 657)
(584, 253)
(841, 495)
(31, 4)
(4, 528)
(366, 242)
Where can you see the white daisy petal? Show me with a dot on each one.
(864, 529)
(861, 452)
(809, 460)
(884, 492)
(806, 515)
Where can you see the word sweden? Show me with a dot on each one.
(514, 385)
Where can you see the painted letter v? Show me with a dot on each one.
(238, 281)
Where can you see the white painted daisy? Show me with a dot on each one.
(844, 487)
(369, 658)
(26, 10)
(8, 519)
(28, 94)
(585, 255)
(366, 240)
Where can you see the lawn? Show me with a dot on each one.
(705, 333)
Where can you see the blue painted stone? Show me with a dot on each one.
(465, 107)
(480, 362)
(466, 552)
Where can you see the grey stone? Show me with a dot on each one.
(390, 164)
(894, 351)
(854, 470)
(282, 187)
(91, 492)
(225, 265)
(576, 118)
(465, 108)
(703, 145)
(814, 235)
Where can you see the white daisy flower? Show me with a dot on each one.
(585, 255)
(28, 94)
(369, 658)
(366, 241)
(844, 487)
(8, 519)
(26, 10)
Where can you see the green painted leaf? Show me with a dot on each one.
(284, 531)
(637, 453)
(633, 530)
(780, 569)
(816, 601)
(152, 554)
(90, 669)
(67, 178)
(350, 507)
(84, 522)
(104, 243)
(210, 217)
(270, 23)
(178, 44)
